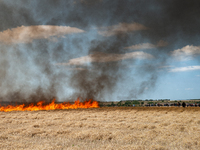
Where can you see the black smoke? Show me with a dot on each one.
(29, 71)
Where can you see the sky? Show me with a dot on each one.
(99, 49)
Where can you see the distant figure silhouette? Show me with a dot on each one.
(184, 104)
(179, 104)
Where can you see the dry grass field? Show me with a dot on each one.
(102, 128)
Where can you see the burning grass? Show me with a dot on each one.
(51, 106)
(102, 128)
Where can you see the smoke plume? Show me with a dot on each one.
(92, 49)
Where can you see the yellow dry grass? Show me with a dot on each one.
(103, 128)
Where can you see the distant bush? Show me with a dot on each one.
(136, 102)
(150, 102)
(112, 104)
(127, 103)
(119, 103)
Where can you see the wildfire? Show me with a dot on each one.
(51, 106)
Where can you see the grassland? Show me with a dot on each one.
(155, 128)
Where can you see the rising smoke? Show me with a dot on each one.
(99, 49)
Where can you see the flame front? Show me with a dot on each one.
(51, 106)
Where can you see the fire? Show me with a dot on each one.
(51, 106)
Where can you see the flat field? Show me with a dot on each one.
(156, 128)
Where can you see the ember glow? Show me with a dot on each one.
(51, 106)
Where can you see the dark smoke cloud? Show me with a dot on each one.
(42, 67)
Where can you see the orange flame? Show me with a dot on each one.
(51, 106)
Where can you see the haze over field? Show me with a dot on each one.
(99, 49)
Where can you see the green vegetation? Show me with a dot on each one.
(150, 102)
(112, 104)
(136, 102)
(119, 103)
(127, 103)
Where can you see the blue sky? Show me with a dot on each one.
(99, 49)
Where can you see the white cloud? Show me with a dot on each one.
(161, 43)
(121, 28)
(188, 68)
(26, 34)
(105, 57)
(186, 53)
